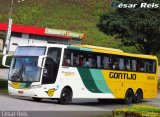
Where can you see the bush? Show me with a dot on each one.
(3, 86)
(7, 62)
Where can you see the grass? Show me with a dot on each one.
(3, 87)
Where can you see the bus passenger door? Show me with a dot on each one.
(50, 71)
(51, 66)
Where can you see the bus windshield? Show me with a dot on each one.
(24, 64)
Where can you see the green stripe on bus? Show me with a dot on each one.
(100, 80)
(73, 47)
(86, 49)
(88, 80)
(25, 85)
(78, 48)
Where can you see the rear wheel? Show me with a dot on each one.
(138, 96)
(128, 97)
(66, 96)
(37, 99)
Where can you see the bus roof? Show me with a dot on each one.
(112, 51)
(99, 48)
(45, 45)
(95, 49)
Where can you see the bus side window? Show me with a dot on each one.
(134, 62)
(146, 66)
(138, 65)
(98, 61)
(91, 60)
(110, 62)
(121, 64)
(67, 58)
(152, 66)
(106, 62)
(66, 61)
(142, 65)
(116, 62)
(81, 60)
(75, 60)
(128, 64)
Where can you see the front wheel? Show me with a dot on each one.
(66, 96)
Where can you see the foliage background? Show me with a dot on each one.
(139, 27)
(72, 15)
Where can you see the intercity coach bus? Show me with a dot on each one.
(64, 72)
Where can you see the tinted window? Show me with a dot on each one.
(78, 58)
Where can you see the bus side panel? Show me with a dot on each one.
(150, 90)
(149, 81)
(85, 83)
(115, 84)
(97, 83)
(120, 81)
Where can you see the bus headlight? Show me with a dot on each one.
(9, 85)
(35, 86)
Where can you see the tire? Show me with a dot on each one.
(138, 96)
(66, 96)
(37, 99)
(128, 97)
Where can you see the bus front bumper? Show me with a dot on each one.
(35, 92)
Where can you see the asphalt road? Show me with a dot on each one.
(14, 103)
(23, 103)
(17, 104)
(85, 107)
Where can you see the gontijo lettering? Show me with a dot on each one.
(117, 75)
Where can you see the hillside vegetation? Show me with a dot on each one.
(73, 15)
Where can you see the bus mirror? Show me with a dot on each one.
(40, 60)
(4, 60)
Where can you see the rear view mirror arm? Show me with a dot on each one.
(40, 60)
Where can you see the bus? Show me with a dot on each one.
(65, 72)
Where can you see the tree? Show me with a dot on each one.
(139, 27)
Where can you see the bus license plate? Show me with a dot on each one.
(20, 92)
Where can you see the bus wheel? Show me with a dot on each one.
(66, 96)
(37, 99)
(138, 96)
(128, 97)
